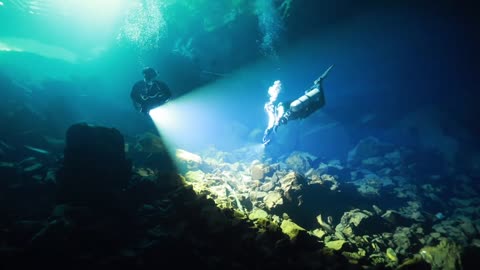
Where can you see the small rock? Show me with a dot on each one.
(319, 233)
(195, 176)
(335, 244)
(257, 172)
(291, 229)
(391, 255)
(258, 214)
(377, 209)
(268, 186)
(468, 229)
(273, 199)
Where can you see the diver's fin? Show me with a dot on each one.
(320, 79)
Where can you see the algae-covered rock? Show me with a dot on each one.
(445, 256)
(324, 225)
(374, 163)
(187, 160)
(273, 199)
(402, 238)
(354, 257)
(332, 179)
(396, 218)
(394, 157)
(290, 228)
(291, 185)
(378, 259)
(257, 214)
(368, 147)
(352, 221)
(319, 233)
(416, 262)
(300, 161)
(468, 228)
(257, 172)
(335, 244)
(266, 187)
(391, 255)
(195, 176)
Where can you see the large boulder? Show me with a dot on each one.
(369, 147)
(300, 161)
(94, 168)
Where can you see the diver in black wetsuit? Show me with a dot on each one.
(149, 93)
(302, 107)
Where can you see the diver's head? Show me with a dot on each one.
(149, 74)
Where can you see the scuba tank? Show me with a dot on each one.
(314, 95)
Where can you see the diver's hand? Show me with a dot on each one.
(266, 135)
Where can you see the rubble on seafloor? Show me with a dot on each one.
(380, 208)
(376, 209)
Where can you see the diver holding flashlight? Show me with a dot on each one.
(149, 93)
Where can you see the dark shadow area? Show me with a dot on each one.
(104, 212)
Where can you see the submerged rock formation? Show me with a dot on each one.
(229, 210)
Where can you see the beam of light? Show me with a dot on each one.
(38, 48)
(225, 113)
(84, 18)
(189, 122)
(99, 11)
(222, 115)
(192, 124)
(91, 12)
(7, 48)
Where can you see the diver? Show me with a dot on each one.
(149, 93)
(279, 113)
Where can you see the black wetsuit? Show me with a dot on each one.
(146, 97)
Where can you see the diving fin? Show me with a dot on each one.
(320, 79)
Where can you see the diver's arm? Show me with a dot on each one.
(162, 90)
(280, 113)
(136, 97)
(270, 110)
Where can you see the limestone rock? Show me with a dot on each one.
(258, 214)
(351, 220)
(273, 199)
(445, 256)
(195, 176)
(366, 148)
(266, 187)
(396, 218)
(391, 255)
(290, 228)
(319, 233)
(291, 184)
(300, 161)
(335, 244)
(257, 172)
(188, 160)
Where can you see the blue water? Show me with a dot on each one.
(405, 73)
(391, 61)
